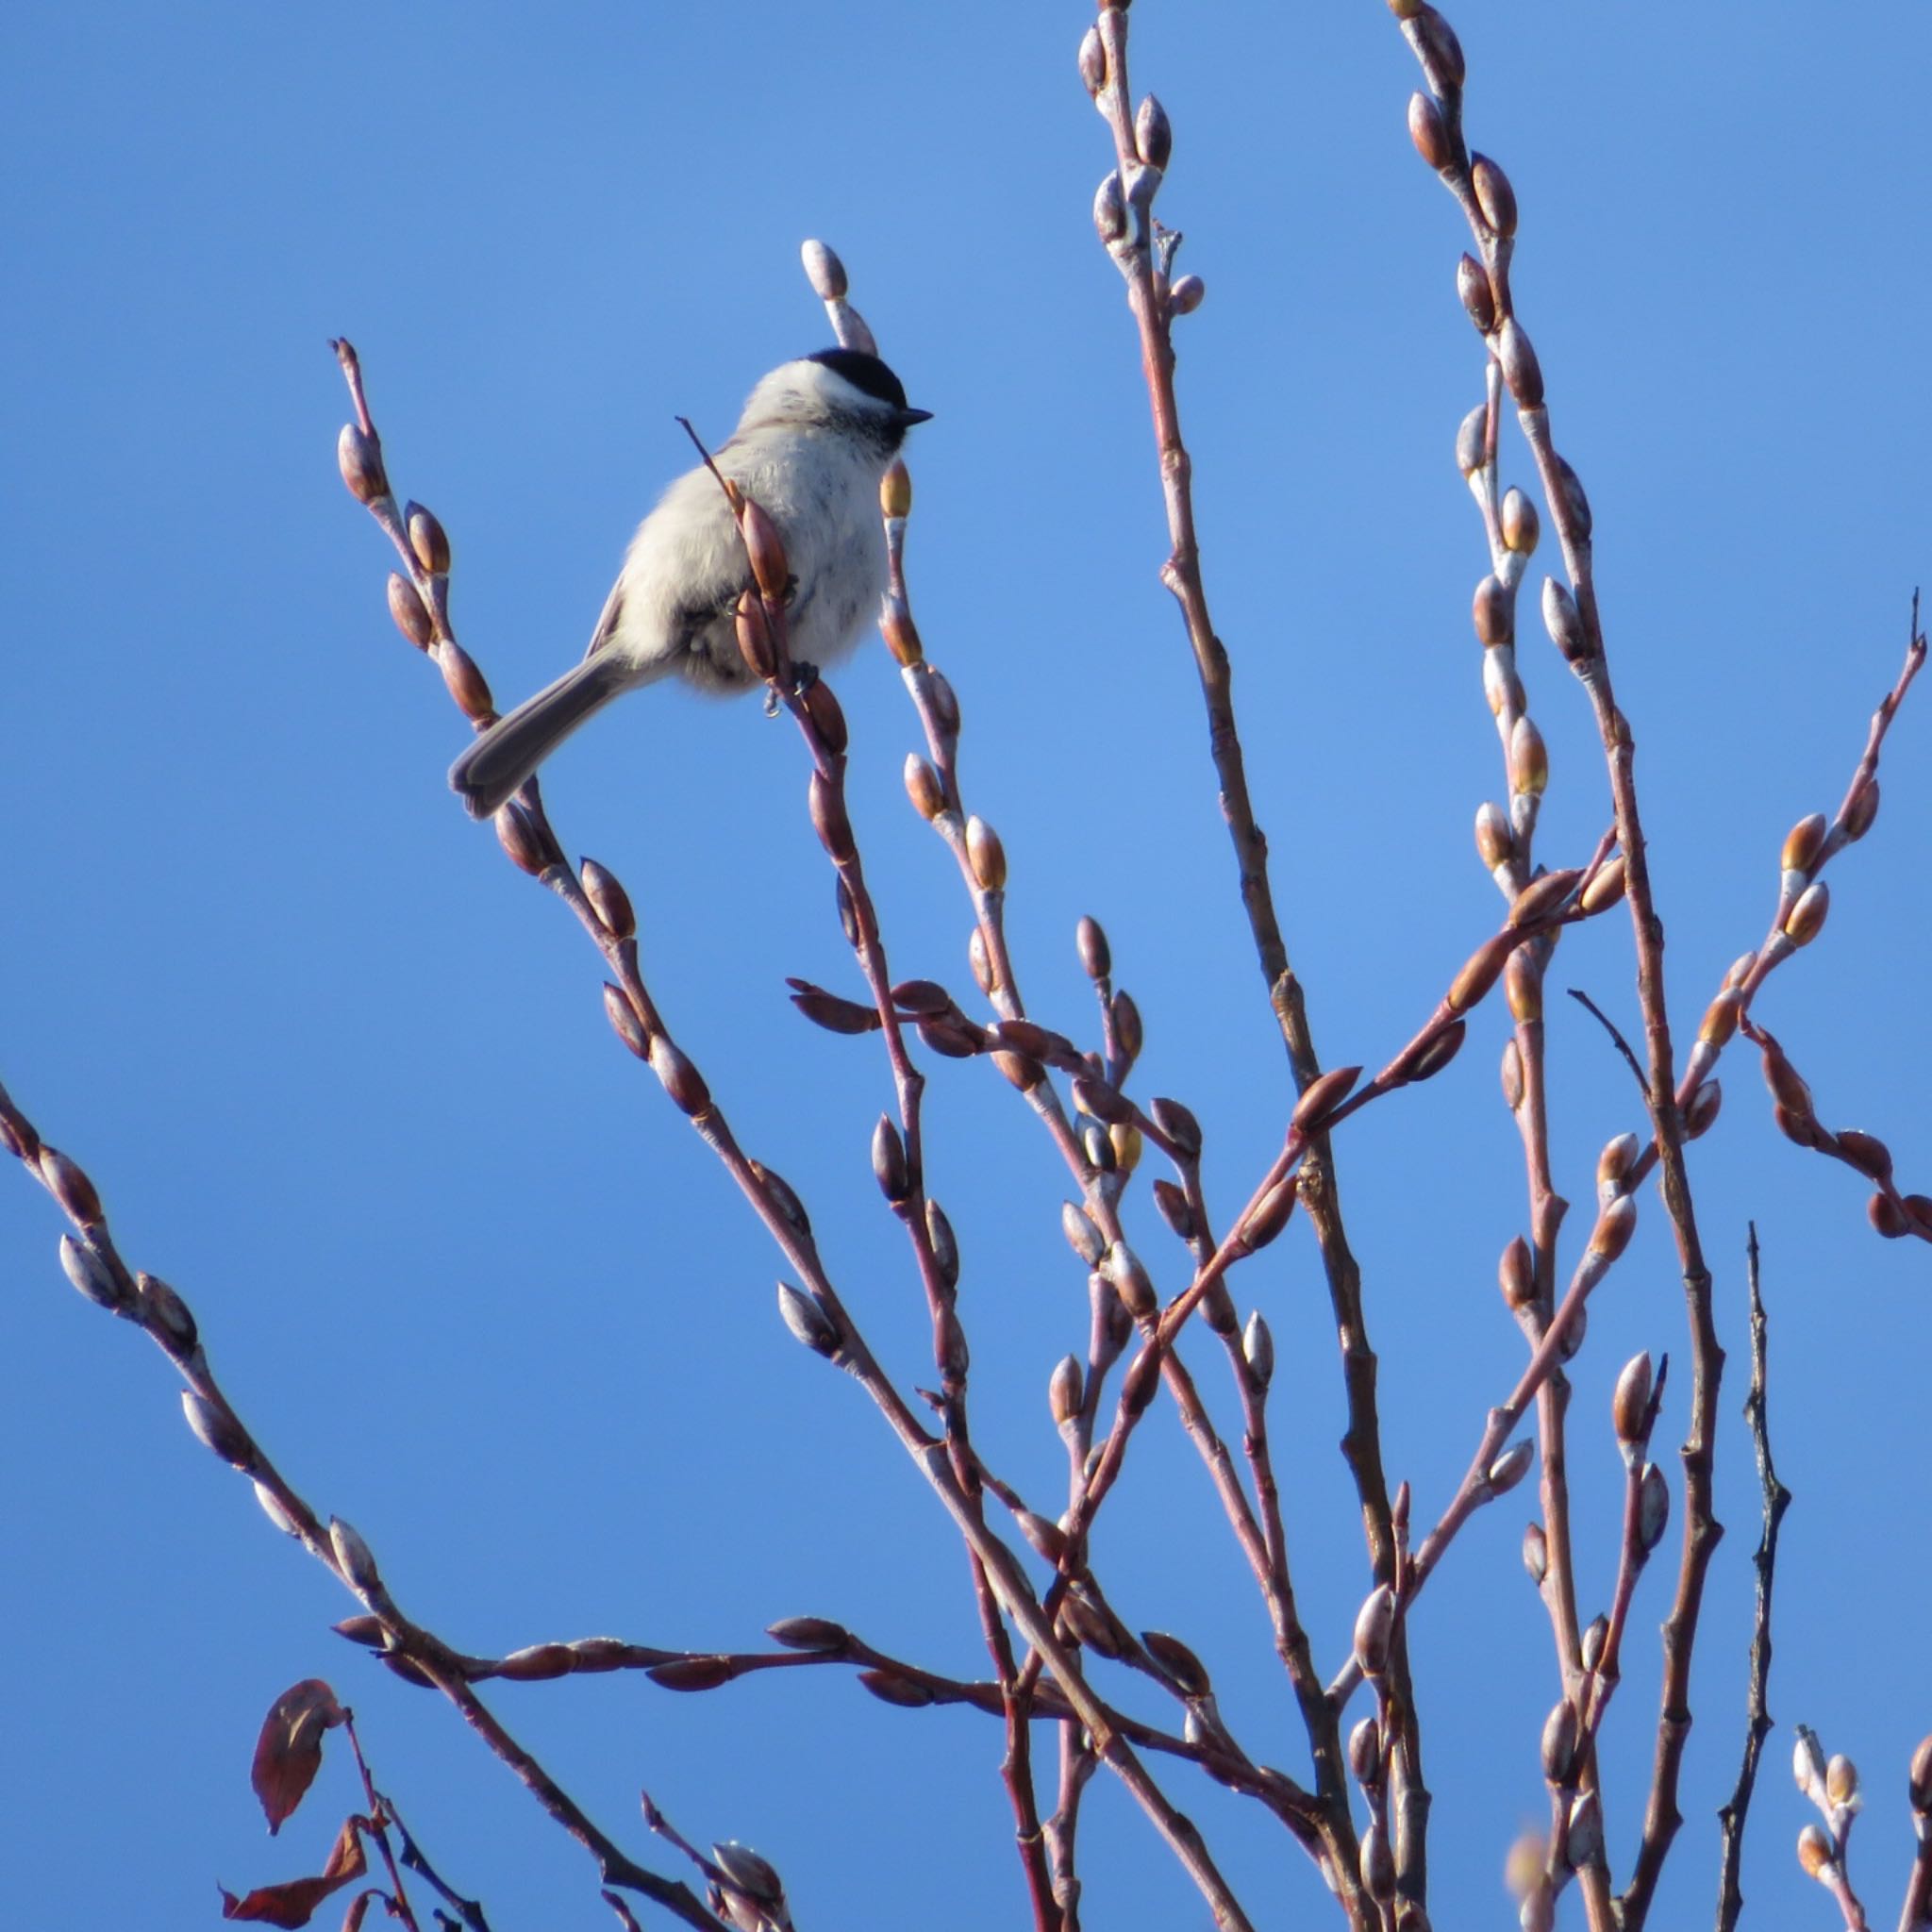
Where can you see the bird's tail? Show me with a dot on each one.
(513, 747)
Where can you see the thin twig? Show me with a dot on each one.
(1777, 1499)
(1610, 1026)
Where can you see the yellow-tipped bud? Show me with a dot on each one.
(895, 489)
(1804, 843)
(1720, 1020)
(1521, 526)
(1530, 761)
(1607, 888)
(427, 539)
(923, 787)
(1806, 920)
(986, 854)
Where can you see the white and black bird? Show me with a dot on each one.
(810, 449)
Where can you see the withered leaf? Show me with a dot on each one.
(294, 1902)
(288, 1753)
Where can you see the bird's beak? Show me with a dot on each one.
(906, 418)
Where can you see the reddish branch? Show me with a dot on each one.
(1145, 256)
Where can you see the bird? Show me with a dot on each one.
(813, 441)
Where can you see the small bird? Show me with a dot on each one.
(810, 449)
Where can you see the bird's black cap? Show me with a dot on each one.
(871, 376)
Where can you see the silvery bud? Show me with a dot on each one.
(1375, 1631)
(1110, 210)
(1473, 286)
(1378, 1864)
(923, 787)
(1365, 1752)
(1510, 1467)
(1152, 135)
(1575, 504)
(1630, 1407)
(1583, 1838)
(271, 1508)
(823, 270)
(1595, 1636)
(1429, 132)
(1618, 1157)
(1439, 50)
(1180, 1126)
(1536, 1553)
(1258, 1349)
(1131, 1281)
(1471, 436)
(359, 457)
(945, 1246)
(1562, 1734)
(807, 1321)
(889, 1161)
(409, 611)
(1530, 761)
(1492, 612)
(1495, 844)
(750, 1873)
(986, 854)
(1093, 61)
(1803, 844)
(1521, 525)
(1187, 295)
(427, 539)
(1493, 195)
(1521, 369)
(1097, 955)
(91, 1274)
(1064, 1389)
(353, 1556)
(1564, 623)
(170, 1318)
(1082, 1235)
(1815, 1854)
(1862, 810)
(1615, 1225)
(1653, 1508)
(607, 898)
(1806, 920)
(1808, 1766)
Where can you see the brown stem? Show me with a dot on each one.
(378, 1811)
(1147, 287)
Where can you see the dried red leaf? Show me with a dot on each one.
(288, 1753)
(294, 1902)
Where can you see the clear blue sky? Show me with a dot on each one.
(344, 1079)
